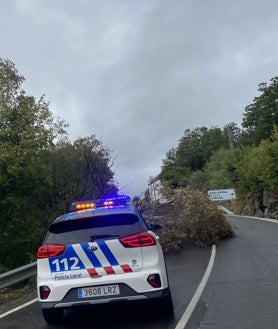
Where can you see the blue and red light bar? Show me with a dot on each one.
(105, 202)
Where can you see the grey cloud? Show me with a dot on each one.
(138, 73)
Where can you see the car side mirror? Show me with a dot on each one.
(155, 227)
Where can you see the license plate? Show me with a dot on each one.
(99, 291)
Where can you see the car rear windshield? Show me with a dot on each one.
(94, 228)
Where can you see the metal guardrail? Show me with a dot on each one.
(225, 210)
(19, 274)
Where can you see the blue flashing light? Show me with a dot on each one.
(118, 199)
(108, 202)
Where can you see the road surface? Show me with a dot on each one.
(241, 292)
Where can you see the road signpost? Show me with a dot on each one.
(222, 195)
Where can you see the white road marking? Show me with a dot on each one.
(258, 218)
(18, 308)
(193, 303)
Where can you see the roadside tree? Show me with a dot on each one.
(261, 116)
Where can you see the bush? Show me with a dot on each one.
(191, 219)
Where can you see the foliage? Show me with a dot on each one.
(261, 116)
(198, 180)
(233, 132)
(211, 158)
(193, 151)
(258, 168)
(221, 169)
(197, 145)
(79, 171)
(40, 171)
(218, 159)
(27, 131)
(175, 175)
(192, 219)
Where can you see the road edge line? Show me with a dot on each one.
(187, 313)
(275, 221)
(18, 308)
(195, 299)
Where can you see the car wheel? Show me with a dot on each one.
(53, 316)
(166, 304)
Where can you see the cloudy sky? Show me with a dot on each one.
(137, 73)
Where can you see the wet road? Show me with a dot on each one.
(242, 291)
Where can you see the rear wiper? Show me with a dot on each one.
(102, 236)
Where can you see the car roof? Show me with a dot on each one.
(101, 211)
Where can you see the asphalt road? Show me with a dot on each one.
(241, 293)
(185, 272)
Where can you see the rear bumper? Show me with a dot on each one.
(127, 295)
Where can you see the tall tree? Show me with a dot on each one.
(197, 145)
(172, 173)
(41, 172)
(261, 116)
(192, 153)
(27, 131)
(79, 171)
(258, 170)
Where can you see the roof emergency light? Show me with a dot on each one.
(84, 205)
(105, 202)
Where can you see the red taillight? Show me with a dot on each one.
(138, 240)
(51, 250)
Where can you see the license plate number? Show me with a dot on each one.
(99, 291)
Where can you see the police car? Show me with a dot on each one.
(101, 252)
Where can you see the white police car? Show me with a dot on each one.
(101, 252)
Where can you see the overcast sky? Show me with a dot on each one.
(137, 73)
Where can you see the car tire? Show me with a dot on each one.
(166, 304)
(53, 316)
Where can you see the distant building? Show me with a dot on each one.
(154, 189)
